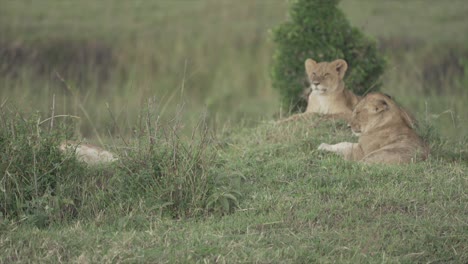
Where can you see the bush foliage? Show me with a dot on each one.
(317, 29)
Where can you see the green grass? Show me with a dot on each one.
(296, 205)
(181, 91)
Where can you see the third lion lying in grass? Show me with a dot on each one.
(385, 131)
(87, 153)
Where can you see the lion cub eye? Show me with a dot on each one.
(326, 74)
(313, 74)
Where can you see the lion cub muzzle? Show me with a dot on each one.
(318, 88)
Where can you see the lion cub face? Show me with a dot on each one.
(373, 111)
(325, 77)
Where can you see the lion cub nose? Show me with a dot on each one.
(316, 82)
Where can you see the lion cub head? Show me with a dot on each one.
(375, 111)
(326, 77)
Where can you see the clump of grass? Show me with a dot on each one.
(159, 172)
(180, 176)
(33, 170)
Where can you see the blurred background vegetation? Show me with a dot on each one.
(106, 61)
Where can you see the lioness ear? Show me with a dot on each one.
(310, 66)
(380, 106)
(389, 96)
(340, 66)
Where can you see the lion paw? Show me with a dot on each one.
(324, 146)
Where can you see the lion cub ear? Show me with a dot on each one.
(340, 66)
(310, 66)
(380, 106)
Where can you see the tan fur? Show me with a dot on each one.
(87, 153)
(386, 134)
(328, 95)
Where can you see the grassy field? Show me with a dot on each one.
(181, 91)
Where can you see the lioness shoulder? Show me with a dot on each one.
(386, 134)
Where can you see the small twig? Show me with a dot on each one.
(116, 125)
(3, 103)
(34, 172)
(47, 119)
(426, 112)
(53, 113)
(183, 79)
(1, 114)
(38, 130)
(148, 126)
(13, 131)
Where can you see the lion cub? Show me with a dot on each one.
(385, 133)
(329, 95)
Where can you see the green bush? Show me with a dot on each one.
(317, 29)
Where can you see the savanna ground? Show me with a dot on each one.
(181, 90)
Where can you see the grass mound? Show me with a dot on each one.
(248, 195)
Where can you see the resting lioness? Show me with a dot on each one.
(328, 95)
(385, 133)
(87, 153)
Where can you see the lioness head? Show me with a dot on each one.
(326, 77)
(377, 110)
